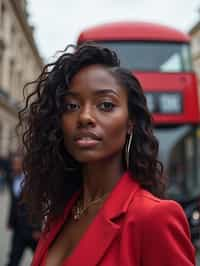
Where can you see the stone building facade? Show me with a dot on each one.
(195, 45)
(20, 62)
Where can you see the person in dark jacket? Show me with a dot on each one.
(24, 234)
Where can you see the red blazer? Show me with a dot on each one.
(133, 228)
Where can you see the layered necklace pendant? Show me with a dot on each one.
(78, 210)
(76, 214)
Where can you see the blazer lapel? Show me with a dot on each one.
(48, 236)
(105, 227)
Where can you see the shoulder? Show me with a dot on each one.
(152, 205)
(160, 226)
(150, 211)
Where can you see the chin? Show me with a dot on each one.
(88, 156)
(93, 157)
(87, 159)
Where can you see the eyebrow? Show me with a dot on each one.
(96, 92)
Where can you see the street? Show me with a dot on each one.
(6, 234)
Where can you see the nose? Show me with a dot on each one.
(86, 117)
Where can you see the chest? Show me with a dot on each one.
(77, 245)
(68, 239)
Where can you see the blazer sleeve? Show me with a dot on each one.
(166, 237)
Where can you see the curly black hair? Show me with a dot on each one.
(51, 174)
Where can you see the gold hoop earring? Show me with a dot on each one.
(128, 146)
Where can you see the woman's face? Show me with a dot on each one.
(95, 122)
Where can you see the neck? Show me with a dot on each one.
(99, 179)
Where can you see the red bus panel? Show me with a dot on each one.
(133, 31)
(185, 84)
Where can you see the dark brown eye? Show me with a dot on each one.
(71, 107)
(106, 106)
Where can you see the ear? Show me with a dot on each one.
(130, 126)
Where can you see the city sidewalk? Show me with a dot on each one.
(6, 234)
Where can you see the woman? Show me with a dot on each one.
(91, 168)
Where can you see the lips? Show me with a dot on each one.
(86, 135)
(87, 139)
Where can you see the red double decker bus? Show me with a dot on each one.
(160, 57)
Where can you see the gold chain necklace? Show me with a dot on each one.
(78, 210)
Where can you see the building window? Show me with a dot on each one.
(13, 35)
(1, 135)
(12, 66)
(1, 60)
(18, 88)
(2, 17)
(1, 64)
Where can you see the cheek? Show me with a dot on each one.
(67, 127)
(116, 132)
(68, 123)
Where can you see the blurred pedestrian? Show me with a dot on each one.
(24, 235)
(4, 172)
(2, 180)
(92, 172)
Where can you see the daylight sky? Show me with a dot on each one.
(58, 22)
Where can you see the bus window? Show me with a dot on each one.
(198, 156)
(177, 151)
(171, 64)
(190, 162)
(176, 171)
(152, 56)
(186, 57)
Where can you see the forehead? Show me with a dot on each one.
(95, 77)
